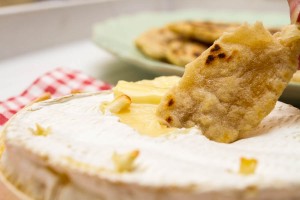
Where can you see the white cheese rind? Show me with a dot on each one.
(74, 160)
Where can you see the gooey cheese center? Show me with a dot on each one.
(145, 96)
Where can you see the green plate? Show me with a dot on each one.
(117, 36)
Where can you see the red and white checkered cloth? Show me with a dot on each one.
(58, 82)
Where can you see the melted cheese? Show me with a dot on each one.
(142, 118)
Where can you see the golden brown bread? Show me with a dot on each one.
(163, 44)
(204, 31)
(234, 84)
(182, 52)
(154, 42)
(296, 77)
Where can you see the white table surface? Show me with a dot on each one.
(19, 72)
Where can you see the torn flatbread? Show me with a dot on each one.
(234, 84)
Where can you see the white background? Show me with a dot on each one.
(36, 38)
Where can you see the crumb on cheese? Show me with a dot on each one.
(43, 97)
(76, 91)
(247, 166)
(40, 131)
(125, 162)
(117, 105)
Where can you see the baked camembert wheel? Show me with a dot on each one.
(87, 146)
